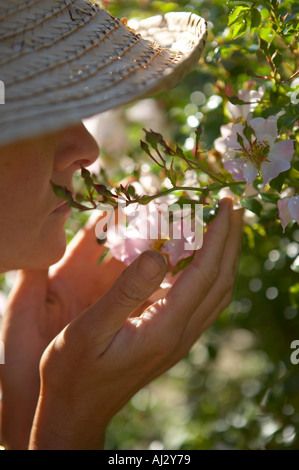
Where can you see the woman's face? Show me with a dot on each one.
(32, 217)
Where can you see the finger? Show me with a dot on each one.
(81, 272)
(188, 340)
(197, 279)
(218, 298)
(220, 295)
(135, 285)
(160, 293)
(215, 314)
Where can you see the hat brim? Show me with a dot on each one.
(80, 62)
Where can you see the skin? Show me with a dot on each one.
(29, 222)
(80, 344)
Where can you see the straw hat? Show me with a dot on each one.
(65, 60)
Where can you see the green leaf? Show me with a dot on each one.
(165, 7)
(269, 215)
(131, 191)
(154, 138)
(198, 132)
(209, 213)
(243, 3)
(179, 152)
(145, 199)
(151, 140)
(295, 265)
(248, 131)
(213, 187)
(294, 294)
(296, 165)
(277, 59)
(235, 100)
(105, 253)
(266, 34)
(277, 182)
(287, 120)
(252, 205)
(240, 140)
(239, 29)
(255, 18)
(182, 264)
(237, 189)
(87, 178)
(171, 173)
(237, 15)
(144, 146)
(270, 197)
(58, 190)
(264, 45)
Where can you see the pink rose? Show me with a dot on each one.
(149, 227)
(288, 208)
(258, 154)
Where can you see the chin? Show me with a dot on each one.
(46, 252)
(40, 253)
(52, 253)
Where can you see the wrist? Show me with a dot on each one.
(57, 427)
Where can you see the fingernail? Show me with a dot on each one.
(150, 265)
(226, 203)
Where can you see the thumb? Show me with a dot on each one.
(30, 288)
(134, 286)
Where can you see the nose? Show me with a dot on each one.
(76, 148)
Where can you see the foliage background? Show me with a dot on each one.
(237, 388)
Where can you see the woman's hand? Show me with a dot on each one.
(41, 304)
(106, 354)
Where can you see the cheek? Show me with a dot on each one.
(22, 211)
(49, 247)
(32, 245)
(24, 195)
(30, 236)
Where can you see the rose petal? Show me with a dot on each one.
(232, 140)
(175, 249)
(294, 208)
(249, 172)
(263, 126)
(235, 168)
(220, 144)
(221, 147)
(283, 211)
(248, 96)
(270, 170)
(283, 150)
(133, 248)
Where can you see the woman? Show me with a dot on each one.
(81, 339)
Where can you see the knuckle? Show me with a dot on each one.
(227, 286)
(166, 347)
(173, 343)
(210, 275)
(228, 281)
(128, 293)
(50, 363)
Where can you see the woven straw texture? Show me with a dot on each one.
(64, 60)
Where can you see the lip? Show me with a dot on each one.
(63, 208)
